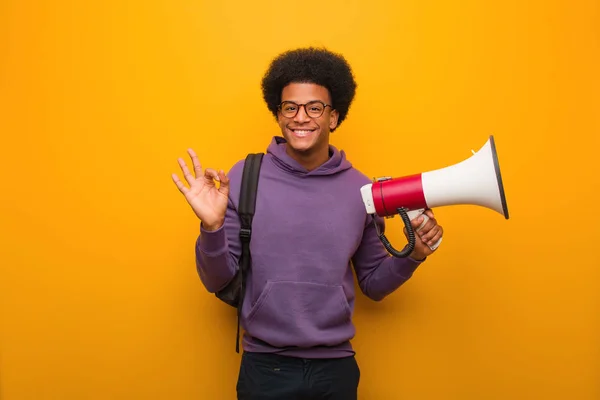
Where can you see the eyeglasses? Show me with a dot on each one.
(313, 109)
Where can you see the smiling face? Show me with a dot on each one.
(307, 138)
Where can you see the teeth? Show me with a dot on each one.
(300, 132)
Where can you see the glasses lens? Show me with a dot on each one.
(289, 109)
(315, 109)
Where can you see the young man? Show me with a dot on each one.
(309, 231)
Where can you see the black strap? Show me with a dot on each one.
(246, 208)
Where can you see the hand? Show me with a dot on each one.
(427, 236)
(208, 202)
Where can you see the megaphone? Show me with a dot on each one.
(474, 181)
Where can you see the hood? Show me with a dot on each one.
(337, 161)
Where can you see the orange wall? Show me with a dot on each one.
(99, 295)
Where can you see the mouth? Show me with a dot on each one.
(301, 133)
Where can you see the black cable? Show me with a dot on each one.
(410, 232)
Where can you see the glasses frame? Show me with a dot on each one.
(325, 105)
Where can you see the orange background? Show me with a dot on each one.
(99, 294)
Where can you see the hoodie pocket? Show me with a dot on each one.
(301, 314)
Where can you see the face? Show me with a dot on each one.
(307, 136)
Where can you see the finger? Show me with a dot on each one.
(196, 163)
(417, 222)
(436, 237)
(417, 237)
(433, 235)
(179, 184)
(429, 213)
(210, 175)
(426, 237)
(224, 179)
(429, 225)
(186, 172)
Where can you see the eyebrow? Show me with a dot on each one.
(310, 101)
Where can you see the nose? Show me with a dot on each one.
(301, 116)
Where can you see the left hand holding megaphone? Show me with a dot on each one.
(428, 234)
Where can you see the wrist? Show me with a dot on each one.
(417, 256)
(210, 227)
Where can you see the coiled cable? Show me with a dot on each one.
(409, 231)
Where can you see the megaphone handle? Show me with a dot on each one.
(415, 214)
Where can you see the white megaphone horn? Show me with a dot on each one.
(474, 181)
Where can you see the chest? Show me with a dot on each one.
(315, 222)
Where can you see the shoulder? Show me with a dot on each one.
(235, 175)
(235, 178)
(235, 172)
(357, 177)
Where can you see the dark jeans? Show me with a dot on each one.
(271, 376)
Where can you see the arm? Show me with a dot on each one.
(218, 252)
(378, 273)
(218, 247)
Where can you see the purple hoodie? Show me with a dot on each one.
(309, 230)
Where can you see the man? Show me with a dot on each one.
(310, 229)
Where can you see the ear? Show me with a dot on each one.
(333, 119)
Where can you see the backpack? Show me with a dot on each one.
(233, 293)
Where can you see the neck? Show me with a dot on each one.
(309, 160)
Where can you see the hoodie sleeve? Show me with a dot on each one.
(378, 273)
(218, 252)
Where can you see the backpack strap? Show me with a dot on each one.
(246, 208)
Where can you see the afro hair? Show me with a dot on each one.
(310, 65)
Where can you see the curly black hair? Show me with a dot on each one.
(310, 65)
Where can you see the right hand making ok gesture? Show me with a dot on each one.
(208, 202)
